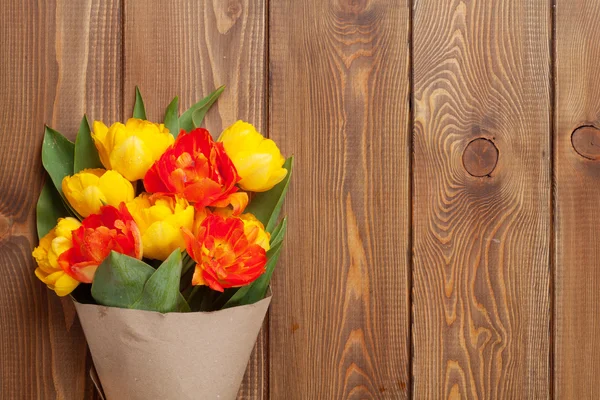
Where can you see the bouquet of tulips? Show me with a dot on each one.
(166, 240)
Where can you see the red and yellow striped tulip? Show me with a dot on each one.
(224, 255)
(199, 170)
(99, 234)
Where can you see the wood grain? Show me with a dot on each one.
(190, 48)
(577, 221)
(187, 49)
(57, 57)
(481, 243)
(339, 101)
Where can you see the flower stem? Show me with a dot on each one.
(187, 263)
(195, 290)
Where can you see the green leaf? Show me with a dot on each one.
(57, 157)
(197, 299)
(120, 280)
(257, 290)
(172, 117)
(49, 209)
(266, 206)
(260, 286)
(139, 111)
(238, 299)
(182, 305)
(187, 121)
(86, 154)
(279, 232)
(161, 292)
(223, 298)
(198, 117)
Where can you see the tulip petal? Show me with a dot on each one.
(160, 239)
(65, 285)
(241, 136)
(225, 257)
(197, 278)
(115, 188)
(84, 272)
(277, 176)
(99, 135)
(132, 158)
(238, 201)
(153, 182)
(202, 192)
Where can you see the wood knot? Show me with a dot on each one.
(480, 157)
(586, 142)
(353, 7)
(234, 10)
(227, 13)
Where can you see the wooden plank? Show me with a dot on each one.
(201, 46)
(339, 101)
(53, 51)
(482, 199)
(187, 48)
(577, 222)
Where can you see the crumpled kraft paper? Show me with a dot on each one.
(149, 355)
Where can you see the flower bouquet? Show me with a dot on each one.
(166, 240)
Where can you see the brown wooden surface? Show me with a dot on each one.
(577, 220)
(187, 49)
(46, 77)
(340, 103)
(481, 229)
(419, 267)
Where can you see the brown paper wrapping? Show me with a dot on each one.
(148, 355)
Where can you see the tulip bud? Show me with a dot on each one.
(51, 246)
(160, 219)
(90, 189)
(132, 148)
(257, 160)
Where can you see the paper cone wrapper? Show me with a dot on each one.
(148, 355)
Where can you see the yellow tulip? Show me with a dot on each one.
(89, 189)
(160, 219)
(255, 231)
(258, 160)
(51, 246)
(131, 149)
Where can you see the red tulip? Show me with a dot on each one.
(225, 256)
(111, 229)
(199, 170)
